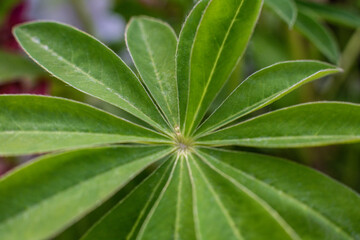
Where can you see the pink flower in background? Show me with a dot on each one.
(41, 87)
(4, 166)
(8, 43)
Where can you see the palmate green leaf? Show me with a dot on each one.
(221, 38)
(14, 66)
(215, 194)
(263, 88)
(319, 35)
(285, 9)
(183, 55)
(233, 209)
(43, 197)
(300, 200)
(160, 208)
(184, 206)
(331, 13)
(173, 204)
(34, 124)
(306, 125)
(152, 45)
(86, 64)
(194, 192)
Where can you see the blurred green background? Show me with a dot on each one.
(326, 30)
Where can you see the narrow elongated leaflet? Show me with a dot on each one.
(306, 125)
(165, 196)
(221, 38)
(34, 124)
(152, 45)
(127, 217)
(173, 204)
(296, 193)
(235, 210)
(183, 55)
(285, 9)
(319, 35)
(56, 190)
(265, 87)
(86, 64)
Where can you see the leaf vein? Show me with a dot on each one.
(272, 212)
(223, 209)
(285, 194)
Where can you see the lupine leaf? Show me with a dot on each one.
(169, 205)
(125, 219)
(86, 64)
(264, 87)
(193, 192)
(221, 38)
(183, 55)
(319, 35)
(295, 194)
(285, 9)
(306, 125)
(40, 199)
(183, 200)
(235, 210)
(152, 45)
(34, 124)
(160, 208)
(331, 13)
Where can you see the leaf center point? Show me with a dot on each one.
(184, 145)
